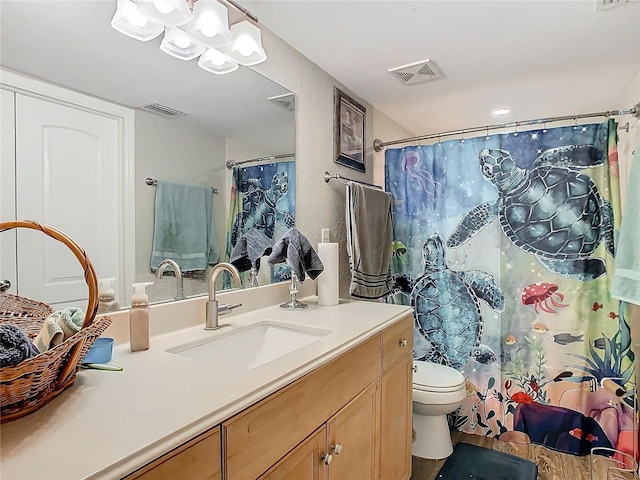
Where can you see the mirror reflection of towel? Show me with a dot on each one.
(249, 248)
(184, 230)
(295, 249)
(369, 235)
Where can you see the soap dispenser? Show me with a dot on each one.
(106, 296)
(139, 337)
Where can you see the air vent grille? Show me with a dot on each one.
(286, 101)
(417, 72)
(159, 109)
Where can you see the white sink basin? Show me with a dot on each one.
(249, 347)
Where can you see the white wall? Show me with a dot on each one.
(320, 205)
(160, 153)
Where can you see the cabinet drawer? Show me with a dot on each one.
(258, 437)
(198, 459)
(396, 341)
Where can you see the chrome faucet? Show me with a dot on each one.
(213, 309)
(176, 268)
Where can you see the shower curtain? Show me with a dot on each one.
(504, 245)
(262, 197)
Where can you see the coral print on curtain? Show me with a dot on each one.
(504, 244)
(263, 197)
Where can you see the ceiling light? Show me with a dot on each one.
(215, 61)
(501, 111)
(210, 24)
(170, 13)
(246, 44)
(177, 44)
(131, 22)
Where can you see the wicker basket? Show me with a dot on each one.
(28, 386)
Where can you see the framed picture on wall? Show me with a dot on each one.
(348, 131)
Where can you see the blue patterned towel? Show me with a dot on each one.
(295, 249)
(15, 346)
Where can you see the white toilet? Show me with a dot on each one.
(437, 391)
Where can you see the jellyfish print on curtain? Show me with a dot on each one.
(263, 197)
(504, 244)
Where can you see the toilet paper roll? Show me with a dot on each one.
(328, 279)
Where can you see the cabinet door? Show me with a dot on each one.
(353, 438)
(67, 163)
(198, 459)
(7, 189)
(395, 428)
(305, 462)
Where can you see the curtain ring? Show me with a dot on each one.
(440, 141)
(487, 138)
(544, 130)
(515, 130)
(575, 122)
(462, 137)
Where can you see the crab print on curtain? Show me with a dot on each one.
(504, 244)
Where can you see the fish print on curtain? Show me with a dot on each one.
(504, 245)
(262, 197)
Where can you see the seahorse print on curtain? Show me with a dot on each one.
(504, 244)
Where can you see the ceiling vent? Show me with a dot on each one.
(607, 4)
(286, 101)
(418, 72)
(159, 109)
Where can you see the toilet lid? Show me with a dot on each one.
(434, 377)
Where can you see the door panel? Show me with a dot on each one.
(7, 189)
(304, 462)
(66, 177)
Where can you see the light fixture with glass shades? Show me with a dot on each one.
(195, 28)
(246, 44)
(176, 43)
(131, 22)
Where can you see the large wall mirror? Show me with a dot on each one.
(238, 116)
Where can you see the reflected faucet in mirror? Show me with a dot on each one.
(213, 309)
(176, 269)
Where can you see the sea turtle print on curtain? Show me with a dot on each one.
(532, 215)
(263, 197)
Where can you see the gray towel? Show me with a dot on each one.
(295, 249)
(369, 235)
(15, 346)
(184, 230)
(249, 248)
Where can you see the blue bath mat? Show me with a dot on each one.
(470, 462)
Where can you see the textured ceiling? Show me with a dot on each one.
(541, 58)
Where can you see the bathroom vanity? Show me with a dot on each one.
(337, 407)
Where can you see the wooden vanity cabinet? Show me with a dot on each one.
(198, 459)
(347, 420)
(360, 409)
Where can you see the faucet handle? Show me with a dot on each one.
(226, 308)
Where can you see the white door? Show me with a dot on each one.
(66, 177)
(7, 190)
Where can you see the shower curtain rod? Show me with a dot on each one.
(152, 182)
(346, 180)
(379, 145)
(232, 163)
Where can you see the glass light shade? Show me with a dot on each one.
(210, 24)
(170, 13)
(176, 43)
(246, 44)
(131, 22)
(215, 61)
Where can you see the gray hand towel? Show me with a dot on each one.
(295, 249)
(15, 346)
(369, 235)
(249, 248)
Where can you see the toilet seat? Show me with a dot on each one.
(432, 377)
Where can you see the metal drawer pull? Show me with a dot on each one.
(327, 458)
(337, 448)
(403, 342)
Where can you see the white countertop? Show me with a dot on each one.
(108, 424)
